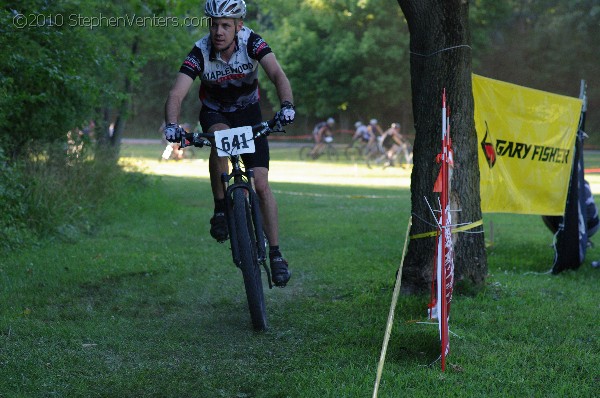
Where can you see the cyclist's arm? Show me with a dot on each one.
(399, 138)
(278, 77)
(176, 95)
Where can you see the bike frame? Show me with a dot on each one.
(243, 179)
(244, 220)
(239, 179)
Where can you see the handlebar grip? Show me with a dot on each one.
(196, 139)
(264, 127)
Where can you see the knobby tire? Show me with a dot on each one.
(332, 153)
(305, 152)
(248, 261)
(352, 153)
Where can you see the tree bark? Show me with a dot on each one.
(441, 59)
(109, 142)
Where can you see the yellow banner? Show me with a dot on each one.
(526, 147)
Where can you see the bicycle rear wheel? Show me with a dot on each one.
(248, 259)
(352, 153)
(305, 152)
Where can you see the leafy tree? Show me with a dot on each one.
(164, 55)
(128, 51)
(342, 57)
(549, 45)
(45, 92)
(79, 61)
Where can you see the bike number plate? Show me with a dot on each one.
(234, 141)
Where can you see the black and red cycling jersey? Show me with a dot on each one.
(227, 86)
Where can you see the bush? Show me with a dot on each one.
(55, 192)
(13, 210)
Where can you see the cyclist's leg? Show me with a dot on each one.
(372, 150)
(280, 273)
(259, 162)
(318, 148)
(407, 153)
(391, 155)
(268, 205)
(217, 165)
(177, 152)
(318, 138)
(212, 121)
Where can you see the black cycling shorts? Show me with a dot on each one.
(249, 116)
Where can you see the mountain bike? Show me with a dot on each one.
(388, 157)
(242, 210)
(327, 150)
(356, 150)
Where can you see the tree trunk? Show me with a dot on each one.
(441, 58)
(109, 142)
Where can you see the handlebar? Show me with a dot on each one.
(203, 139)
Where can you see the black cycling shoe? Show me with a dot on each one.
(279, 271)
(218, 227)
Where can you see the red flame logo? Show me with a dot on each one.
(488, 148)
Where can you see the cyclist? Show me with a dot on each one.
(361, 133)
(374, 147)
(394, 142)
(322, 134)
(226, 61)
(375, 130)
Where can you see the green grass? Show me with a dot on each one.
(279, 151)
(150, 306)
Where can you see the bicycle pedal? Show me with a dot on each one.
(268, 271)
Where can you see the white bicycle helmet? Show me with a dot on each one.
(331, 121)
(357, 125)
(225, 8)
(373, 121)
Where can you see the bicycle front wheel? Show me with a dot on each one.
(371, 159)
(332, 153)
(305, 152)
(248, 259)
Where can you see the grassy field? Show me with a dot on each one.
(150, 306)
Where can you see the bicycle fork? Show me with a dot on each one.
(252, 201)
